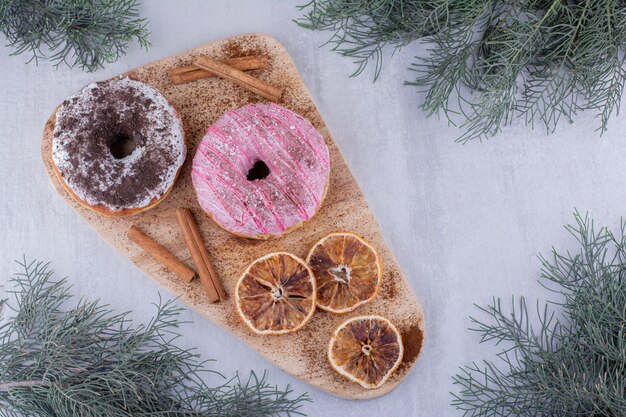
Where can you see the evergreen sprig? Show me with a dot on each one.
(87, 360)
(569, 359)
(83, 33)
(490, 61)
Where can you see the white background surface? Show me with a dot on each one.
(465, 222)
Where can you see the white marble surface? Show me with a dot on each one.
(465, 222)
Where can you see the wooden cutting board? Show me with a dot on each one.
(301, 354)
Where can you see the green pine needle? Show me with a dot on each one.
(570, 358)
(86, 360)
(491, 61)
(83, 33)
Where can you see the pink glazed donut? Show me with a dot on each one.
(261, 171)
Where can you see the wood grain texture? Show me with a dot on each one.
(301, 354)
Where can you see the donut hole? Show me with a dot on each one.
(122, 145)
(258, 171)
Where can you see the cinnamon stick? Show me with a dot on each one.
(189, 73)
(161, 254)
(260, 87)
(209, 279)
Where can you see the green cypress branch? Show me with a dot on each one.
(83, 33)
(568, 359)
(86, 360)
(491, 61)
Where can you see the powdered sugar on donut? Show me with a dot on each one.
(288, 144)
(88, 123)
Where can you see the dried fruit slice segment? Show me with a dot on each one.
(366, 349)
(276, 294)
(347, 270)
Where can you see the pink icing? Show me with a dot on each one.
(293, 150)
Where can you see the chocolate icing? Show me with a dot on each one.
(90, 128)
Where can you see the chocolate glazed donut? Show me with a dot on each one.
(261, 171)
(118, 146)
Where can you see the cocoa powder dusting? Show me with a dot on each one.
(242, 46)
(412, 339)
(389, 287)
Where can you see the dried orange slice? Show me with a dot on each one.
(347, 270)
(366, 349)
(276, 294)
